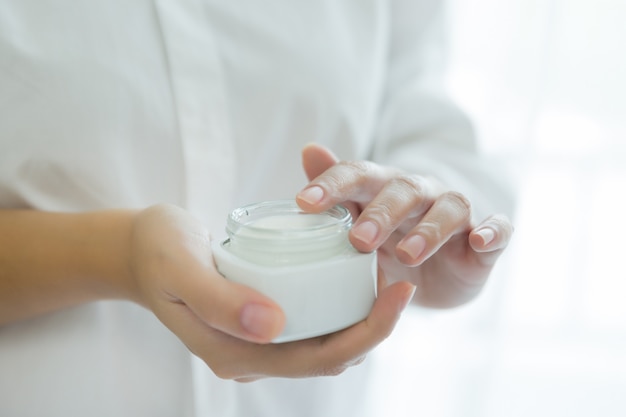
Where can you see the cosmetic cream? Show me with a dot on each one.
(303, 261)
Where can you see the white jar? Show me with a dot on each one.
(302, 261)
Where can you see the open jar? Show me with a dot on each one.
(303, 261)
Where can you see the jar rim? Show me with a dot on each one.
(245, 217)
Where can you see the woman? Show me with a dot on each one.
(130, 129)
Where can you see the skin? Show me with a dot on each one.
(424, 232)
(160, 258)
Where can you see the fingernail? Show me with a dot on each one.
(366, 232)
(312, 195)
(413, 246)
(486, 234)
(261, 320)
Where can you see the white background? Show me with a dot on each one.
(545, 82)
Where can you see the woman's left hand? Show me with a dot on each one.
(423, 232)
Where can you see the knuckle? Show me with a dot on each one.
(412, 191)
(222, 371)
(431, 231)
(247, 380)
(328, 366)
(502, 221)
(502, 224)
(382, 212)
(359, 167)
(344, 175)
(358, 361)
(414, 183)
(356, 172)
(459, 201)
(333, 370)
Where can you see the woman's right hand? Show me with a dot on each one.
(229, 325)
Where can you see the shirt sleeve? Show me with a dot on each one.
(420, 129)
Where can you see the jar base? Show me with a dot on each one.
(317, 298)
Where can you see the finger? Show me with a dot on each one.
(232, 308)
(181, 271)
(402, 197)
(316, 159)
(492, 234)
(491, 237)
(449, 215)
(381, 281)
(357, 181)
(355, 342)
(220, 351)
(232, 358)
(247, 379)
(332, 354)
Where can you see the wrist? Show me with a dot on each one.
(108, 255)
(51, 261)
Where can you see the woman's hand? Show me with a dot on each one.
(423, 232)
(229, 325)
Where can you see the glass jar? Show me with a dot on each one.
(303, 261)
(275, 233)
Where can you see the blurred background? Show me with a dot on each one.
(545, 83)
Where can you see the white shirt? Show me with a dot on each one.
(205, 104)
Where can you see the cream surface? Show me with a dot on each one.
(296, 221)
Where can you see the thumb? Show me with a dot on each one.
(235, 309)
(316, 159)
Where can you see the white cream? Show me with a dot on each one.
(278, 233)
(298, 221)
